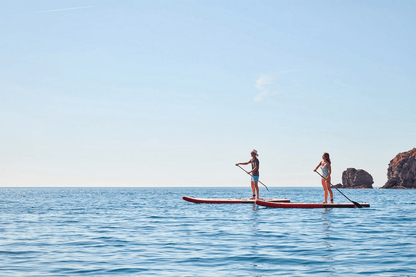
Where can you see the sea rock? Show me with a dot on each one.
(356, 179)
(402, 171)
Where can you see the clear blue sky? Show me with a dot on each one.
(174, 93)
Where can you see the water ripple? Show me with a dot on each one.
(153, 232)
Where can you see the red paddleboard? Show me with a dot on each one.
(307, 205)
(229, 200)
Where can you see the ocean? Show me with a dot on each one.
(153, 232)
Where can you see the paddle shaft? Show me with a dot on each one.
(355, 203)
(252, 175)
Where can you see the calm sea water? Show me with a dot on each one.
(152, 231)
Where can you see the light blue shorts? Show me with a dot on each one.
(255, 178)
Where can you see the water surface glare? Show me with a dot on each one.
(153, 232)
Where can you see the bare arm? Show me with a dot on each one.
(317, 166)
(254, 169)
(243, 163)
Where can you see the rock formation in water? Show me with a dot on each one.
(356, 179)
(401, 173)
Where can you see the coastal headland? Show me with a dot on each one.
(401, 174)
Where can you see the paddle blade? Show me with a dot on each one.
(358, 205)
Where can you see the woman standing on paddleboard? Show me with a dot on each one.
(254, 173)
(325, 165)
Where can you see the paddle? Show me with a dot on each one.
(252, 175)
(355, 203)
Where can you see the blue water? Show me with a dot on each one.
(152, 231)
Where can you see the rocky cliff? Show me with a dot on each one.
(401, 173)
(356, 179)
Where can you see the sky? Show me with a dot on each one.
(98, 93)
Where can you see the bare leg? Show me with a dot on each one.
(325, 190)
(253, 188)
(328, 186)
(256, 185)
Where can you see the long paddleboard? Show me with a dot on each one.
(307, 205)
(229, 200)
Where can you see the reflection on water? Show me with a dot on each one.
(326, 224)
(254, 226)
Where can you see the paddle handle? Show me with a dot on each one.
(252, 175)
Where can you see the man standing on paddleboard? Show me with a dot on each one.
(254, 173)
